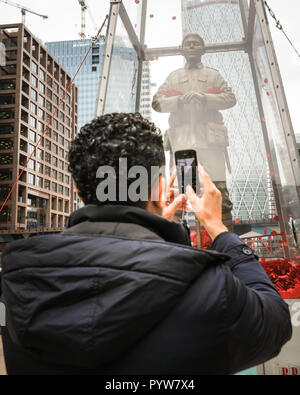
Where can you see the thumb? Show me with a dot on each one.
(179, 201)
(177, 204)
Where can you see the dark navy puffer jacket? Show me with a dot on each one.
(122, 292)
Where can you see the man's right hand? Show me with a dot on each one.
(208, 208)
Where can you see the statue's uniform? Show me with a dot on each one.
(199, 126)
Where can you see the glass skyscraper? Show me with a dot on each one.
(122, 87)
(70, 54)
(249, 182)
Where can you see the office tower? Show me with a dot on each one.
(146, 97)
(32, 84)
(249, 183)
(70, 54)
(122, 83)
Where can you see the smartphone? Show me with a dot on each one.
(187, 170)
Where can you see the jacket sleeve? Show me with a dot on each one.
(258, 320)
(163, 102)
(223, 100)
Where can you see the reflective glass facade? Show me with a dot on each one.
(122, 85)
(70, 54)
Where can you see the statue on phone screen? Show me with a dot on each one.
(194, 96)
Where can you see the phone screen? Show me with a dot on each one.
(187, 170)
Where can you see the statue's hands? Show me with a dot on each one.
(193, 97)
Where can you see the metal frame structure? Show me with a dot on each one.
(252, 14)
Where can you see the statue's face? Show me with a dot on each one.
(193, 49)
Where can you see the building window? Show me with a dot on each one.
(41, 100)
(32, 136)
(40, 154)
(49, 94)
(33, 94)
(40, 127)
(42, 75)
(54, 187)
(32, 121)
(34, 67)
(33, 108)
(67, 191)
(54, 174)
(42, 87)
(31, 164)
(40, 113)
(31, 149)
(67, 179)
(49, 106)
(33, 81)
(60, 190)
(48, 145)
(41, 140)
(31, 179)
(47, 170)
(54, 161)
(39, 182)
(40, 167)
(48, 160)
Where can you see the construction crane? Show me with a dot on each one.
(83, 18)
(84, 8)
(23, 10)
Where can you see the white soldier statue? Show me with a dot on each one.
(194, 96)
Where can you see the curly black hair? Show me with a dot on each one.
(107, 139)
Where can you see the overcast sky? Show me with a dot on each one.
(65, 19)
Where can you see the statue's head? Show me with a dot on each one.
(193, 47)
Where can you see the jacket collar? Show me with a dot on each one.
(198, 66)
(168, 230)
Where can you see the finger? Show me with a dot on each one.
(191, 195)
(172, 178)
(188, 97)
(206, 181)
(174, 192)
(178, 204)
